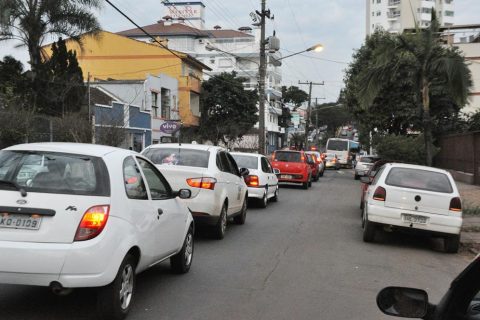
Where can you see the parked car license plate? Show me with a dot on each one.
(285, 176)
(19, 221)
(412, 218)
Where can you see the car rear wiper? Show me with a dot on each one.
(16, 186)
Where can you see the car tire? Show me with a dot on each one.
(305, 185)
(221, 226)
(452, 244)
(264, 201)
(115, 300)
(369, 229)
(310, 182)
(357, 177)
(276, 195)
(240, 219)
(182, 261)
(321, 173)
(362, 205)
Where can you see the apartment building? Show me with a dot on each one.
(397, 15)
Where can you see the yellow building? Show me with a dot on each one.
(111, 56)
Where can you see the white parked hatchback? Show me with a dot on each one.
(219, 192)
(415, 197)
(262, 179)
(79, 215)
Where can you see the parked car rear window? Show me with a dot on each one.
(248, 162)
(178, 157)
(287, 156)
(419, 179)
(368, 159)
(51, 172)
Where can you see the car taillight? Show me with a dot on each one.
(93, 222)
(203, 183)
(456, 204)
(380, 194)
(252, 181)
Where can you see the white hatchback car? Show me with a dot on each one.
(415, 197)
(218, 189)
(262, 179)
(88, 216)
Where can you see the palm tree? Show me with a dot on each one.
(31, 21)
(431, 63)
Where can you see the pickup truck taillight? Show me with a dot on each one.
(93, 222)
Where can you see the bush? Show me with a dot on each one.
(409, 149)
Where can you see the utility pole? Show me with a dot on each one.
(307, 116)
(261, 82)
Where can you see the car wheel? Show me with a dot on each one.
(221, 226)
(310, 182)
(305, 185)
(277, 193)
(361, 207)
(181, 262)
(321, 173)
(264, 201)
(240, 219)
(452, 244)
(115, 300)
(357, 177)
(369, 229)
(317, 177)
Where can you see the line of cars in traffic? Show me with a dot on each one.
(80, 215)
(406, 197)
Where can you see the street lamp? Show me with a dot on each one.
(317, 48)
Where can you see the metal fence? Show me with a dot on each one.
(460, 152)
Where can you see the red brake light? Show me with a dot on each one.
(456, 204)
(203, 183)
(380, 194)
(93, 222)
(252, 181)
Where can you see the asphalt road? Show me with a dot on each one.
(301, 258)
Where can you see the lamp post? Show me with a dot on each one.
(317, 48)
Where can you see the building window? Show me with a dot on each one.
(154, 104)
(225, 63)
(379, 13)
(379, 1)
(449, 13)
(373, 14)
(165, 101)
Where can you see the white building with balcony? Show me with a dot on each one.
(397, 15)
(223, 50)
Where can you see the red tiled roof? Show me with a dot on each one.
(160, 29)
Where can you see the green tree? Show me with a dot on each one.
(429, 64)
(294, 95)
(62, 88)
(228, 110)
(332, 115)
(30, 22)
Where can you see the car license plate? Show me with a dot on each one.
(285, 176)
(412, 218)
(19, 221)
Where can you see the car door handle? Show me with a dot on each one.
(160, 212)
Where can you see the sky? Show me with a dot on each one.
(339, 25)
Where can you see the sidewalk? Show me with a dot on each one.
(471, 216)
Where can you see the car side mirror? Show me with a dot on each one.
(365, 180)
(403, 302)
(244, 172)
(183, 193)
(276, 171)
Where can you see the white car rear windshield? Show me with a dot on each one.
(51, 172)
(419, 179)
(248, 162)
(178, 157)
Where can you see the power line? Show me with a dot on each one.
(318, 58)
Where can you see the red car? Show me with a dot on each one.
(294, 166)
(314, 166)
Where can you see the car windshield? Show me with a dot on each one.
(287, 156)
(337, 145)
(368, 159)
(178, 157)
(248, 162)
(49, 172)
(329, 156)
(419, 179)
